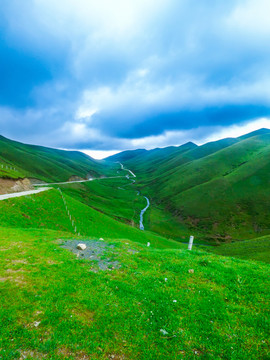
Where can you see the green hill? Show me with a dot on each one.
(21, 160)
(219, 190)
(47, 210)
(123, 299)
(255, 249)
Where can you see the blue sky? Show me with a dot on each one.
(113, 75)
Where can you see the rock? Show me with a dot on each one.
(148, 244)
(36, 323)
(81, 246)
(164, 332)
(191, 271)
(101, 239)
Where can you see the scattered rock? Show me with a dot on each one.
(31, 354)
(94, 251)
(36, 323)
(101, 239)
(81, 246)
(164, 332)
(132, 251)
(191, 271)
(148, 244)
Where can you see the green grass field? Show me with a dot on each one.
(48, 164)
(254, 249)
(54, 307)
(162, 301)
(115, 197)
(219, 191)
(47, 210)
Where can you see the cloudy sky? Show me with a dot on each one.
(105, 75)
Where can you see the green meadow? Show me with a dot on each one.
(219, 191)
(255, 249)
(160, 301)
(47, 164)
(54, 306)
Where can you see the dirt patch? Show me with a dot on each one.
(37, 181)
(12, 271)
(33, 354)
(67, 353)
(20, 261)
(96, 251)
(52, 262)
(8, 186)
(75, 178)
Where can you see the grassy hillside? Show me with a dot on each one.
(45, 163)
(55, 306)
(149, 303)
(117, 198)
(255, 249)
(47, 210)
(220, 189)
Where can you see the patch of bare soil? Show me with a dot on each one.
(8, 186)
(75, 178)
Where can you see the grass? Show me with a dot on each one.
(254, 249)
(117, 198)
(164, 302)
(54, 307)
(48, 164)
(46, 210)
(219, 191)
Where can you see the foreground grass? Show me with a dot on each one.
(54, 307)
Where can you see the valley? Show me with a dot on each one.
(134, 212)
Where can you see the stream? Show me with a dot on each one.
(142, 212)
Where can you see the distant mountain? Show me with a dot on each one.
(254, 133)
(146, 159)
(45, 163)
(221, 188)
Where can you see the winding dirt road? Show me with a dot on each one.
(23, 193)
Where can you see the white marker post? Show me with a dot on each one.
(190, 242)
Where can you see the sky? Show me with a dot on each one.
(104, 76)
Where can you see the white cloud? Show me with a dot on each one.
(99, 154)
(251, 17)
(126, 62)
(238, 130)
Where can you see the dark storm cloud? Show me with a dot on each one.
(90, 74)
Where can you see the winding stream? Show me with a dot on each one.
(133, 181)
(142, 212)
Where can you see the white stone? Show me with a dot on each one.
(148, 244)
(81, 246)
(164, 332)
(101, 239)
